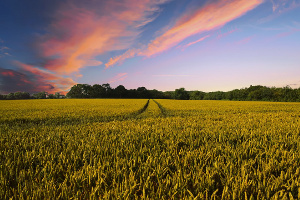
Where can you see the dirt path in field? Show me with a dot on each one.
(162, 109)
(144, 108)
(145, 112)
(152, 110)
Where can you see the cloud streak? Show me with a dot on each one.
(245, 40)
(14, 81)
(45, 77)
(120, 59)
(209, 17)
(192, 43)
(29, 78)
(172, 75)
(79, 32)
(281, 6)
(3, 50)
(118, 77)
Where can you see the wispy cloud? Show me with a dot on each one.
(283, 34)
(281, 6)
(245, 40)
(45, 79)
(209, 17)
(172, 75)
(7, 54)
(3, 49)
(7, 72)
(118, 77)
(192, 43)
(79, 32)
(14, 81)
(222, 35)
(120, 59)
(287, 33)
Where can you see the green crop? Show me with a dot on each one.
(149, 149)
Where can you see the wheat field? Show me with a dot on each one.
(149, 149)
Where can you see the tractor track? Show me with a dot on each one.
(162, 109)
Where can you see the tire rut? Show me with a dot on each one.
(162, 109)
(76, 120)
(143, 109)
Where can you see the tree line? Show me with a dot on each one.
(106, 91)
(27, 95)
(252, 93)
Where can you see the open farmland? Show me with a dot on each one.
(149, 149)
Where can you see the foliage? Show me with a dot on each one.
(256, 93)
(105, 91)
(182, 94)
(26, 95)
(197, 95)
(253, 93)
(140, 149)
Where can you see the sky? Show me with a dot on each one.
(209, 45)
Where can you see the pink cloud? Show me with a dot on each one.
(7, 73)
(45, 80)
(118, 77)
(211, 16)
(120, 59)
(281, 6)
(172, 75)
(3, 48)
(80, 33)
(192, 43)
(3, 51)
(221, 35)
(244, 41)
(285, 34)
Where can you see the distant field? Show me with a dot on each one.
(149, 149)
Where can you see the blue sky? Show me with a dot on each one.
(159, 44)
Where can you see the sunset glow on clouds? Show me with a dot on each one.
(211, 16)
(46, 80)
(55, 46)
(195, 42)
(79, 34)
(118, 77)
(207, 18)
(119, 59)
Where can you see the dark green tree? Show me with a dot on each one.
(98, 91)
(155, 94)
(197, 95)
(76, 91)
(40, 95)
(108, 90)
(22, 95)
(57, 95)
(120, 92)
(143, 93)
(51, 96)
(181, 94)
(10, 96)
